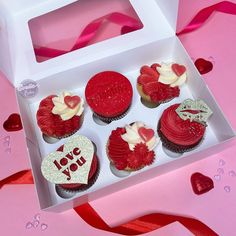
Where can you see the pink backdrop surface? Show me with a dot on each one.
(19, 207)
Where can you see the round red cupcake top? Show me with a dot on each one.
(93, 169)
(179, 131)
(109, 93)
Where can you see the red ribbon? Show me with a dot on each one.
(90, 32)
(202, 16)
(141, 225)
(22, 177)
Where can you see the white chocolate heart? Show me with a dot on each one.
(72, 165)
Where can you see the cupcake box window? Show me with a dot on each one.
(155, 46)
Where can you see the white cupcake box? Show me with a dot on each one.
(155, 42)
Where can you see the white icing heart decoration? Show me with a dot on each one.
(72, 165)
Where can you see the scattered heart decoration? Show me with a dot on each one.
(72, 101)
(178, 69)
(201, 183)
(203, 65)
(13, 123)
(72, 165)
(146, 134)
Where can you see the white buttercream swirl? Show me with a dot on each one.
(60, 108)
(168, 76)
(132, 136)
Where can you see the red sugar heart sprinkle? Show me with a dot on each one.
(72, 101)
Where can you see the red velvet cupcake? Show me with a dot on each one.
(60, 116)
(109, 95)
(160, 83)
(182, 126)
(131, 148)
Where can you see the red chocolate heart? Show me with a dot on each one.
(178, 69)
(13, 123)
(203, 65)
(201, 183)
(72, 101)
(146, 134)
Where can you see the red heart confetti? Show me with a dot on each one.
(72, 101)
(203, 65)
(178, 69)
(13, 123)
(201, 183)
(146, 134)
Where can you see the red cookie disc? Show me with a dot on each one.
(109, 93)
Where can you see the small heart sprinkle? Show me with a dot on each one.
(146, 134)
(178, 69)
(72, 101)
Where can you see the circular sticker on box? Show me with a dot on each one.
(28, 88)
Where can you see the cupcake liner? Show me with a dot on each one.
(83, 187)
(175, 147)
(110, 119)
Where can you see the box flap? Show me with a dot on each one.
(18, 60)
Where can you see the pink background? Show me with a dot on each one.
(214, 41)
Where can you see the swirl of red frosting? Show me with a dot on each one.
(179, 131)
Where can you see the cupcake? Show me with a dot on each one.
(92, 177)
(131, 148)
(109, 95)
(60, 116)
(160, 83)
(73, 167)
(182, 126)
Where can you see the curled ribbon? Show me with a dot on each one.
(127, 23)
(202, 16)
(141, 225)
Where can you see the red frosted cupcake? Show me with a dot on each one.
(60, 116)
(160, 83)
(109, 95)
(182, 126)
(92, 177)
(131, 148)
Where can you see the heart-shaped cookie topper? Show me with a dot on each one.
(146, 134)
(72, 101)
(72, 165)
(178, 69)
(201, 183)
(194, 111)
(203, 65)
(13, 123)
